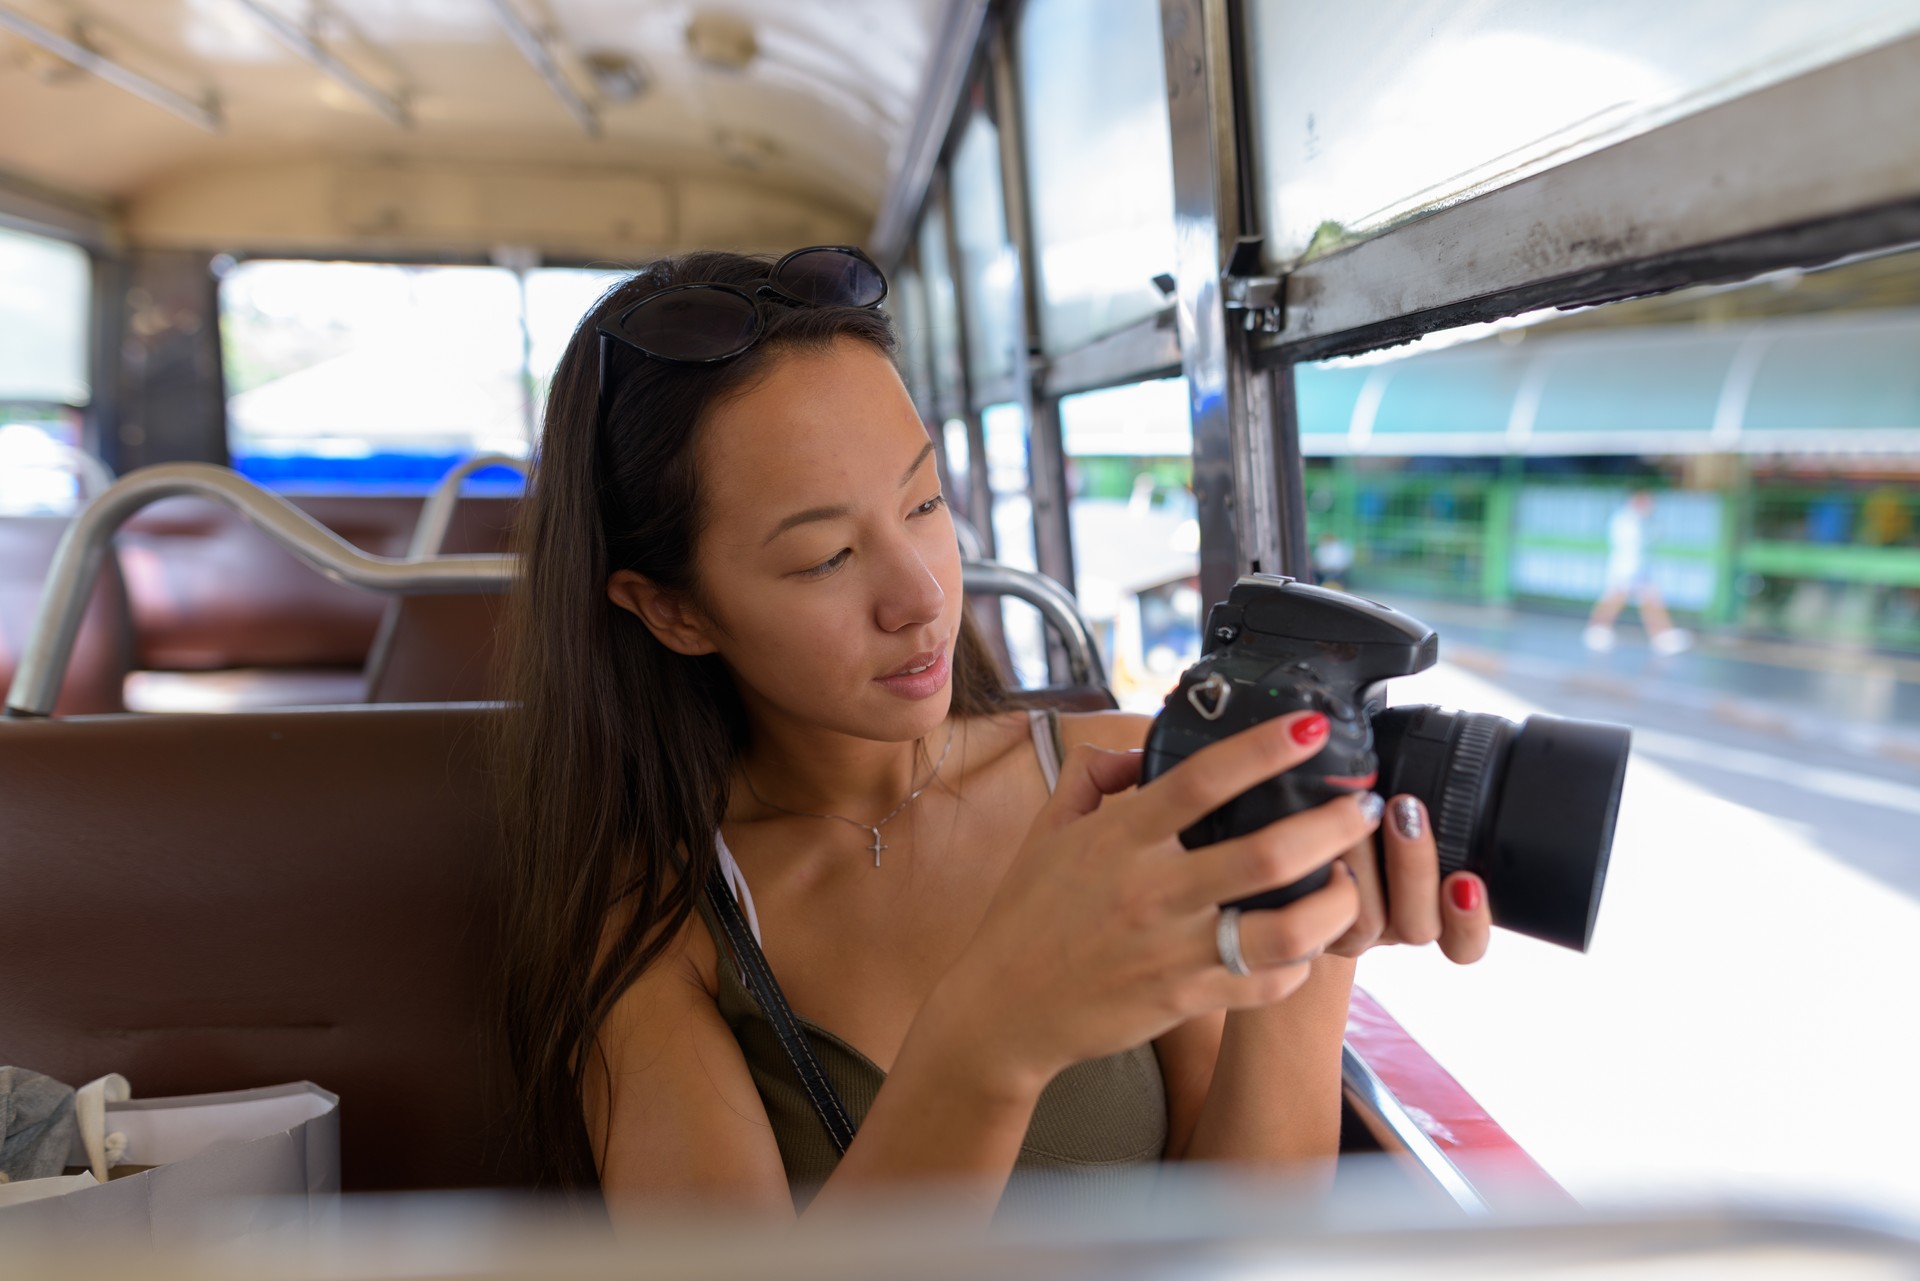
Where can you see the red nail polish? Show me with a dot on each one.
(1309, 730)
(1466, 893)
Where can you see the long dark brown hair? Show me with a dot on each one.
(616, 753)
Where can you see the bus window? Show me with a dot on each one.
(370, 374)
(989, 272)
(1136, 537)
(1697, 513)
(556, 298)
(44, 318)
(946, 374)
(1008, 479)
(1366, 113)
(1094, 104)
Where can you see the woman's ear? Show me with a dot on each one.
(672, 619)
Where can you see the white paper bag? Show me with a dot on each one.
(226, 1166)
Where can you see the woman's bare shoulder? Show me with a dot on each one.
(1115, 731)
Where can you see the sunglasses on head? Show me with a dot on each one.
(705, 323)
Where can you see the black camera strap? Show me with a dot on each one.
(752, 963)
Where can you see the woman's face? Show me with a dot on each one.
(828, 566)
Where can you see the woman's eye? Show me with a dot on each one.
(927, 508)
(826, 567)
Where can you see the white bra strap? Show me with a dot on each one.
(737, 882)
(1043, 746)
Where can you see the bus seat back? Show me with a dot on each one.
(216, 902)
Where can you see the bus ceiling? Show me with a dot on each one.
(573, 130)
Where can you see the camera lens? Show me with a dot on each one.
(1529, 808)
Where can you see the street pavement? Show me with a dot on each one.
(1750, 993)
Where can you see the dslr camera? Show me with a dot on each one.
(1529, 807)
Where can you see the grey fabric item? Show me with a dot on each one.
(37, 1125)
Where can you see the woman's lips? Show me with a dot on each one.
(921, 684)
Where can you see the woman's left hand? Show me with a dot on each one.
(1417, 907)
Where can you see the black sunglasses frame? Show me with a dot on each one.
(614, 330)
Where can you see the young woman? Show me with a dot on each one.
(741, 646)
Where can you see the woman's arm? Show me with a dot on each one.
(1047, 980)
(674, 1115)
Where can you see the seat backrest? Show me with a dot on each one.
(210, 903)
(435, 649)
(103, 651)
(209, 591)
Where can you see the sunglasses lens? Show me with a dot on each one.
(829, 278)
(693, 325)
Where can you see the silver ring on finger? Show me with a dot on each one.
(1226, 937)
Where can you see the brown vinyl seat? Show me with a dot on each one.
(438, 649)
(104, 651)
(214, 902)
(210, 903)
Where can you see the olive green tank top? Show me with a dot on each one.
(1095, 1124)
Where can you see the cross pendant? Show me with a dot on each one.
(876, 847)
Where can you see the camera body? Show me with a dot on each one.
(1281, 646)
(1528, 807)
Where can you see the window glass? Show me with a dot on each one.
(1008, 477)
(370, 373)
(1554, 494)
(988, 272)
(910, 318)
(1367, 112)
(39, 466)
(943, 304)
(959, 456)
(1093, 90)
(557, 298)
(1136, 532)
(45, 288)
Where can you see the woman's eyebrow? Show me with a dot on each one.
(837, 511)
(804, 517)
(926, 452)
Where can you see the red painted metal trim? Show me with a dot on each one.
(1497, 1166)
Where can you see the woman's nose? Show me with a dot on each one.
(909, 594)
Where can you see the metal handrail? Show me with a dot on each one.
(436, 514)
(1390, 1122)
(83, 548)
(1056, 606)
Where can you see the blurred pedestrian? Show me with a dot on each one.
(1630, 577)
(1332, 561)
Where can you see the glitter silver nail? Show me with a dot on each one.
(1371, 806)
(1407, 818)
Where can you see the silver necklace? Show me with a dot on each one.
(874, 828)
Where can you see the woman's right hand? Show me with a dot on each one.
(1102, 936)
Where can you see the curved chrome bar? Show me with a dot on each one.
(1056, 605)
(436, 514)
(76, 563)
(1399, 1133)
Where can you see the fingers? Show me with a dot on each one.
(1278, 854)
(1302, 930)
(1370, 919)
(1413, 872)
(1087, 775)
(1221, 771)
(1466, 918)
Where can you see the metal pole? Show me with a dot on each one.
(1235, 469)
(205, 112)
